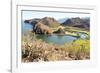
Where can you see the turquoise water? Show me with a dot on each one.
(25, 27)
(57, 39)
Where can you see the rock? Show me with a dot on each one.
(40, 28)
(60, 31)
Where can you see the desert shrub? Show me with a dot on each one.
(78, 49)
(35, 50)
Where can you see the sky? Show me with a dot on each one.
(56, 15)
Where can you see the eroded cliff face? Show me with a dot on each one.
(43, 26)
(40, 28)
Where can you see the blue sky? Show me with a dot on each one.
(56, 15)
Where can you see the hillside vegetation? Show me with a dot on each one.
(35, 50)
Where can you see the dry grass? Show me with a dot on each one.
(35, 50)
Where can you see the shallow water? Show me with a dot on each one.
(25, 27)
(57, 39)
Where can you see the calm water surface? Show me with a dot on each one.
(57, 39)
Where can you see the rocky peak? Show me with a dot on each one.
(49, 21)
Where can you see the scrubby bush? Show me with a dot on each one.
(35, 50)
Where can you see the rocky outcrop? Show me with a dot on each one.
(60, 31)
(40, 28)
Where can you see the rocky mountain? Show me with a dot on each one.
(78, 22)
(49, 21)
(40, 28)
